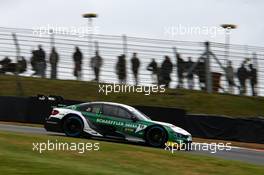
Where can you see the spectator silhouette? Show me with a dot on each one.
(5, 61)
(190, 75)
(22, 65)
(253, 79)
(77, 58)
(4, 64)
(200, 72)
(242, 75)
(230, 77)
(135, 66)
(180, 70)
(33, 62)
(8, 66)
(96, 63)
(54, 58)
(166, 70)
(41, 62)
(121, 69)
(153, 67)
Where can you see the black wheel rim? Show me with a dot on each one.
(73, 127)
(156, 136)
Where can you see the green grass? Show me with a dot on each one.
(17, 157)
(192, 101)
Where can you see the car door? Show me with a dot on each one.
(92, 112)
(133, 127)
(109, 122)
(118, 122)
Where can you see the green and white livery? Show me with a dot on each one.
(116, 121)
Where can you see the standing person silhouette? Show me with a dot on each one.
(77, 58)
(230, 77)
(180, 70)
(135, 66)
(54, 58)
(34, 62)
(253, 79)
(96, 64)
(242, 75)
(41, 61)
(190, 75)
(166, 70)
(153, 67)
(121, 69)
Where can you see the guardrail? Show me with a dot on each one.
(111, 46)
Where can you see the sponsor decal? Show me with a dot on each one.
(129, 130)
(110, 122)
(140, 128)
(129, 127)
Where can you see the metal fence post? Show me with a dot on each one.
(96, 45)
(255, 65)
(124, 37)
(208, 69)
(19, 88)
(52, 39)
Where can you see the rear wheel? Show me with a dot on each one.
(156, 136)
(73, 126)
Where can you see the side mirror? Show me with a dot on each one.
(134, 119)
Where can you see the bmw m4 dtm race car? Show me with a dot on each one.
(116, 121)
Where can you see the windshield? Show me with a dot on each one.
(140, 115)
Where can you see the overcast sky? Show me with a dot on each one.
(143, 18)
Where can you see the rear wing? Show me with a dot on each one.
(56, 101)
(43, 105)
(52, 100)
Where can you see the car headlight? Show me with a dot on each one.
(181, 136)
(178, 135)
(189, 138)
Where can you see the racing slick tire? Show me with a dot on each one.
(73, 126)
(156, 136)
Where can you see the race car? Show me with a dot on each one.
(116, 121)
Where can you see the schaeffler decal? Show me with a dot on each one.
(131, 125)
(110, 122)
(138, 127)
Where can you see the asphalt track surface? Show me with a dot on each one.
(236, 153)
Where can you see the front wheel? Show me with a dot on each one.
(156, 136)
(73, 126)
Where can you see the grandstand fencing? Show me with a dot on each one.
(111, 46)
